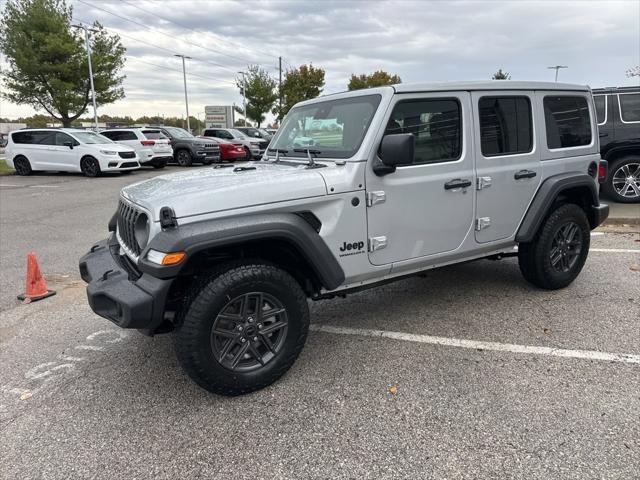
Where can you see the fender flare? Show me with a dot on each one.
(289, 227)
(547, 194)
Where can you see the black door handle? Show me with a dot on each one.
(457, 183)
(524, 174)
(603, 134)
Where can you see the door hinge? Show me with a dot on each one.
(483, 182)
(373, 198)
(377, 243)
(482, 223)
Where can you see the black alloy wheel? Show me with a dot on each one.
(249, 331)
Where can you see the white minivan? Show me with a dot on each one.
(152, 147)
(67, 150)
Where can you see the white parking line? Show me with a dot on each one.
(615, 250)
(475, 344)
(44, 186)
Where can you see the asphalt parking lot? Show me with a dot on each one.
(466, 372)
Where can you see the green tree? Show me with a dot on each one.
(48, 67)
(500, 75)
(378, 78)
(258, 88)
(299, 84)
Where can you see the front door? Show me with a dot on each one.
(425, 208)
(507, 161)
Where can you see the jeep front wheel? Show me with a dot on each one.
(558, 253)
(183, 157)
(242, 329)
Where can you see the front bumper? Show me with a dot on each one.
(118, 292)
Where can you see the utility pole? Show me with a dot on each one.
(556, 68)
(279, 89)
(184, 77)
(244, 97)
(93, 90)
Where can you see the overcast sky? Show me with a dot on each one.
(418, 40)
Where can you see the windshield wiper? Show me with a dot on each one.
(309, 152)
(279, 151)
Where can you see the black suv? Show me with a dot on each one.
(618, 112)
(188, 149)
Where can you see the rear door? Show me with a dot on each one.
(507, 161)
(425, 208)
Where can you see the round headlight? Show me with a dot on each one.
(141, 230)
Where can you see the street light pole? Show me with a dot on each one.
(184, 76)
(93, 90)
(244, 97)
(556, 68)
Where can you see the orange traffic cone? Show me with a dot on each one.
(36, 288)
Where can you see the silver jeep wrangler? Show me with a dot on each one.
(356, 189)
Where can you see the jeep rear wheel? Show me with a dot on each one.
(558, 253)
(242, 329)
(623, 182)
(183, 157)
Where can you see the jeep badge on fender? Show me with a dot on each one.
(232, 274)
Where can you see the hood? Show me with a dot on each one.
(114, 147)
(208, 190)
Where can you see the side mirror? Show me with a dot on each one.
(395, 150)
(68, 144)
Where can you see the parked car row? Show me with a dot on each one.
(126, 149)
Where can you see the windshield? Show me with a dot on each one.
(91, 138)
(237, 133)
(178, 132)
(334, 128)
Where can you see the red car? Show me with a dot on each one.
(230, 151)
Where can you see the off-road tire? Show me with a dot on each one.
(248, 152)
(183, 158)
(209, 297)
(632, 163)
(90, 166)
(534, 258)
(22, 166)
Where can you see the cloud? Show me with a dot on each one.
(419, 40)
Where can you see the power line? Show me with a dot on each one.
(173, 52)
(168, 35)
(180, 71)
(196, 31)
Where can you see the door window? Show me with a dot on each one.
(506, 125)
(600, 102)
(629, 107)
(61, 138)
(436, 125)
(567, 121)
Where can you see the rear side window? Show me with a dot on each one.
(35, 137)
(153, 134)
(629, 107)
(505, 125)
(567, 121)
(436, 124)
(600, 102)
(119, 135)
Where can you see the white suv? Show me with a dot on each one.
(67, 150)
(153, 148)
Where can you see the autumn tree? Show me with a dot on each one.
(48, 67)
(259, 91)
(500, 75)
(378, 78)
(302, 83)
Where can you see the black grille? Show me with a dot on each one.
(211, 146)
(127, 216)
(127, 154)
(128, 164)
(264, 145)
